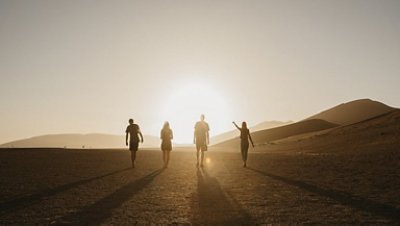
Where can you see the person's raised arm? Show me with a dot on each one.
(251, 140)
(234, 123)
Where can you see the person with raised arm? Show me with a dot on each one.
(244, 141)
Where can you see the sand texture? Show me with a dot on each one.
(55, 186)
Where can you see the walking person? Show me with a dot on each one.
(134, 132)
(166, 136)
(244, 141)
(201, 139)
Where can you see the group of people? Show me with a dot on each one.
(201, 139)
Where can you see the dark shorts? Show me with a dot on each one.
(201, 145)
(133, 145)
(166, 145)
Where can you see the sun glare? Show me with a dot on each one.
(185, 105)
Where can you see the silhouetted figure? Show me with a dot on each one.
(201, 139)
(244, 141)
(134, 132)
(166, 136)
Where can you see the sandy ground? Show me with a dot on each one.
(54, 186)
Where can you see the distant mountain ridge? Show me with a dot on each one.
(92, 140)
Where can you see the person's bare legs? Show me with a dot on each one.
(202, 158)
(163, 156)
(167, 158)
(198, 156)
(133, 158)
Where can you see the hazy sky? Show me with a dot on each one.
(88, 66)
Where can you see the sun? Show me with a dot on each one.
(187, 101)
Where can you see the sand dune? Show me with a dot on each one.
(94, 140)
(383, 131)
(380, 133)
(344, 114)
(352, 112)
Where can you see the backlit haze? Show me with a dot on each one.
(89, 66)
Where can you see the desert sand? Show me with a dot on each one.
(56, 186)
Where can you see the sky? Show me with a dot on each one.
(88, 66)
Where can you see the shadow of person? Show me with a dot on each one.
(344, 198)
(21, 202)
(102, 209)
(213, 207)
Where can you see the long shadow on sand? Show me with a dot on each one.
(213, 206)
(18, 203)
(102, 209)
(342, 197)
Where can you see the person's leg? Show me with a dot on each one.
(202, 157)
(197, 152)
(246, 150)
(245, 156)
(133, 158)
(133, 147)
(167, 158)
(244, 147)
(198, 157)
(203, 148)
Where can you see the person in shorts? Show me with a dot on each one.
(166, 136)
(134, 132)
(201, 139)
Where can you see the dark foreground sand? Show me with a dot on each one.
(50, 186)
